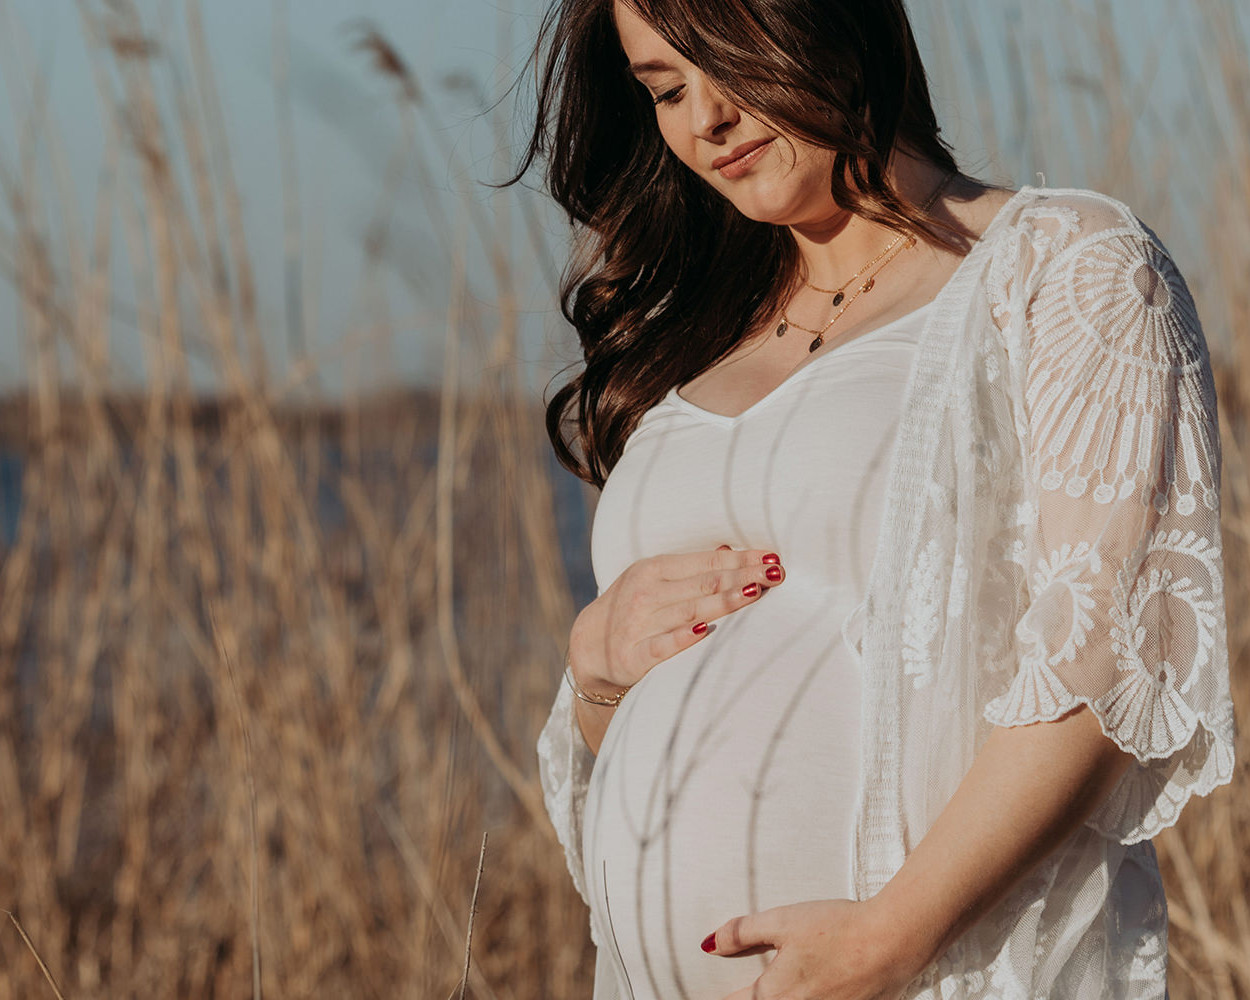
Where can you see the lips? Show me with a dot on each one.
(745, 149)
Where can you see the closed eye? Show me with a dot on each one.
(669, 96)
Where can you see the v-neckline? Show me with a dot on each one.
(677, 398)
(795, 376)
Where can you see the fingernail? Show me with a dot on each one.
(773, 573)
(772, 559)
(750, 590)
(719, 547)
(709, 943)
(699, 628)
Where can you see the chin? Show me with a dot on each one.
(772, 210)
(778, 201)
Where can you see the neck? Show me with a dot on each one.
(834, 248)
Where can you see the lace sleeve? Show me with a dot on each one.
(564, 766)
(1122, 554)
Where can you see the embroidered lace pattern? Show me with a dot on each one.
(1123, 563)
(1050, 539)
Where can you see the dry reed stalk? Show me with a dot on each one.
(30, 946)
(224, 647)
(468, 940)
(392, 653)
(426, 883)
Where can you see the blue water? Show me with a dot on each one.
(571, 513)
(10, 496)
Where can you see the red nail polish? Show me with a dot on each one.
(709, 943)
(750, 590)
(719, 547)
(699, 628)
(773, 573)
(772, 559)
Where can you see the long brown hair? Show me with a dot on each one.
(667, 277)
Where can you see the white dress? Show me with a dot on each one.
(727, 779)
(1050, 538)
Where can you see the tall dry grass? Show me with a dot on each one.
(270, 666)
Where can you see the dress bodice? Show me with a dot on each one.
(727, 778)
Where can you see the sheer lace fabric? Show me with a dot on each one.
(1122, 564)
(1050, 538)
(564, 765)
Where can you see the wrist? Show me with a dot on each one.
(585, 656)
(587, 685)
(605, 699)
(908, 936)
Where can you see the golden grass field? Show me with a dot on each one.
(250, 743)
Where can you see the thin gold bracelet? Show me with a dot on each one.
(609, 702)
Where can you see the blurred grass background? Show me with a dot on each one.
(273, 658)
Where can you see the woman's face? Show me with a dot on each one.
(767, 176)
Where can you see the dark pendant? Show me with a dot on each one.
(782, 327)
(837, 299)
(820, 339)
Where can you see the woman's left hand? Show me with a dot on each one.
(828, 949)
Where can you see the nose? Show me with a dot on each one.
(711, 113)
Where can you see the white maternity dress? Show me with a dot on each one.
(727, 780)
(1048, 538)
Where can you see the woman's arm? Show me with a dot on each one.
(1029, 788)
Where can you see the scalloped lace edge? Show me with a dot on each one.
(1217, 767)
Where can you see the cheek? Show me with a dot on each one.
(805, 181)
(678, 140)
(813, 165)
(792, 191)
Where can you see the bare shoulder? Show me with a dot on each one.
(973, 205)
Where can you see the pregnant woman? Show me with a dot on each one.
(910, 629)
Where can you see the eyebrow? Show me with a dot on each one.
(650, 66)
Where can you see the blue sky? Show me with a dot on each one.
(348, 133)
(347, 127)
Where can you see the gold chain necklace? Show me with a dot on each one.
(897, 247)
(838, 293)
(901, 243)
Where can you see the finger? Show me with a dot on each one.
(686, 613)
(678, 566)
(758, 931)
(658, 648)
(722, 579)
(713, 594)
(718, 582)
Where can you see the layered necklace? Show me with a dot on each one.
(875, 266)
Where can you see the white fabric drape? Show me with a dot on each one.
(1050, 538)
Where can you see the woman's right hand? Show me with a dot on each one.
(660, 606)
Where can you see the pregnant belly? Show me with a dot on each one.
(726, 784)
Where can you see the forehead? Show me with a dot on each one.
(641, 42)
